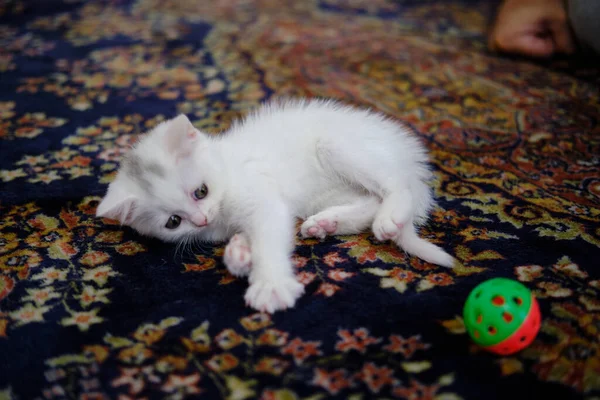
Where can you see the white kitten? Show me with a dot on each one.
(341, 169)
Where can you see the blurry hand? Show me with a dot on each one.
(535, 28)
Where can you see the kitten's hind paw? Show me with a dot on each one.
(318, 228)
(267, 295)
(238, 256)
(385, 229)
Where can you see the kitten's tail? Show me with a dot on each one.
(416, 246)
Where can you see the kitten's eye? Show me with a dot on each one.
(201, 192)
(173, 222)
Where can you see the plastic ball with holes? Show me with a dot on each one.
(502, 316)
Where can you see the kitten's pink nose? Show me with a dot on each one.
(199, 220)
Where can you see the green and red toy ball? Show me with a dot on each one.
(502, 316)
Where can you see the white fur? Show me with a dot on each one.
(341, 169)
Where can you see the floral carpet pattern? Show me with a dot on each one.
(92, 310)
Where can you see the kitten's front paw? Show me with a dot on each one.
(273, 295)
(318, 228)
(238, 256)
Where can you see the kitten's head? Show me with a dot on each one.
(167, 185)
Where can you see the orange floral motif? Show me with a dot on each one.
(20, 261)
(440, 279)
(7, 109)
(41, 296)
(301, 350)
(204, 264)
(528, 273)
(228, 339)
(171, 362)
(195, 347)
(60, 238)
(358, 340)
(70, 163)
(327, 289)
(299, 261)
(332, 259)
(272, 365)
(362, 249)
(145, 366)
(149, 334)
(447, 217)
(3, 325)
(569, 359)
(398, 278)
(29, 313)
(83, 319)
(131, 377)
(332, 381)
(6, 286)
(551, 289)
(416, 391)
(376, 377)
(305, 277)
(181, 383)
(406, 347)
(47, 238)
(589, 323)
(130, 248)
(222, 362)
(92, 258)
(591, 304)
(568, 268)
(99, 275)
(256, 321)
(135, 354)
(50, 275)
(28, 126)
(273, 337)
(98, 352)
(339, 275)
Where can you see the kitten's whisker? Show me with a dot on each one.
(187, 245)
(197, 245)
(183, 247)
(176, 250)
(179, 249)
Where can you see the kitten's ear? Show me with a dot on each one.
(117, 204)
(181, 135)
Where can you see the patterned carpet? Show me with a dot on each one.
(91, 310)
